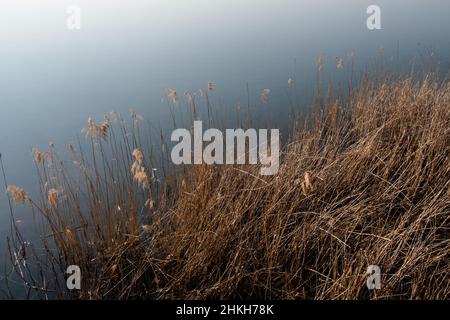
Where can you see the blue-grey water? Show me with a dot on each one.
(127, 52)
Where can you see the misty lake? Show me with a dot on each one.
(126, 54)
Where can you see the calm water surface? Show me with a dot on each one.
(127, 52)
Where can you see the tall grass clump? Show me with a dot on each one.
(365, 181)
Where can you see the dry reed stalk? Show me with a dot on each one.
(365, 182)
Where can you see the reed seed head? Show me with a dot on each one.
(210, 86)
(264, 96)
(19, 195)
(94, 130)
(172, 95)
(138, 170)
(53, 197)
(39, 156)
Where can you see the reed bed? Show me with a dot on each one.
(362, 181)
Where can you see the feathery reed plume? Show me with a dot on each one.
(137, 154)
(305, 183)
(18, 195)
(138, 170)
(308, 183)
(172, 95)
(53, 197)
(94, 130)
(264, 96)
(39, 156)
(339, 63)
(149, 203)
(210, 86)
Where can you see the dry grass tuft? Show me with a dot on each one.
(361, 183)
